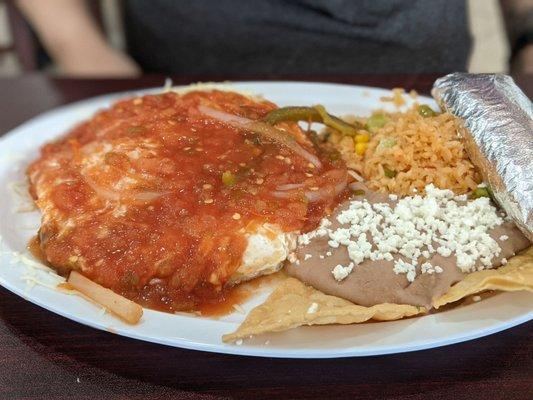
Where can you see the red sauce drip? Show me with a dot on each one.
(139, 203)
(225, 304)
(34, 246)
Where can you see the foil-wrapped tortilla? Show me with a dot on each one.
(498, 132)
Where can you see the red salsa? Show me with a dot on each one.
(153, 199)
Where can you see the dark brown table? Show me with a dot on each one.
(44, 356)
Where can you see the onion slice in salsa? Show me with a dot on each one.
(263, 129)
(117, 195)
(290, 186)
(355, 175)
(336, 182)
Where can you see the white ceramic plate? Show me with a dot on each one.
(23, 275)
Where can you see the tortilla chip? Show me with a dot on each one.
(290, 305)
(517, 274)
(294, 304)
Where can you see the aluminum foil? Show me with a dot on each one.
(497, 119)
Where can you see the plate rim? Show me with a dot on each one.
(256, 351)
(229, 83)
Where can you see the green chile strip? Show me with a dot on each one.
(312, 114)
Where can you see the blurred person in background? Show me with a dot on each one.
(258, 37)
(518, 15)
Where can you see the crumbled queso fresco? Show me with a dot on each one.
(414, 226)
